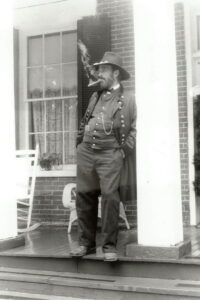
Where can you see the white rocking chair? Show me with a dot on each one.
(26, 163)
(68, 200)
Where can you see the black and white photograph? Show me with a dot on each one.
(100, 150)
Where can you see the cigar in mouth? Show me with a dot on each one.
(93, 83)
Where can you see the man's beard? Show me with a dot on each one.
(106, 83)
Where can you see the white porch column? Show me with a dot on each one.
(158, 156)
(8, 210)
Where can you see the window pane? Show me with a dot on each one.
(69, 79)
(69, 47)
(38, 139)
(54, 115)
(35, 51)
(35, 89)
(70, 148)
(52, 49)
(52, 81)
(55, 143)
(44, 79)
(37, 116)
(70, 115)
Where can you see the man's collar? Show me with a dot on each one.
(114, 88)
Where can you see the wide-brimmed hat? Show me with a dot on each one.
(114, 59)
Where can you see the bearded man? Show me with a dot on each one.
(105, 139)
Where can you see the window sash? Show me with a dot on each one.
(66, 134)
(43, 67)
(52, 98)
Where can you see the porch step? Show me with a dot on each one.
(16, 283)
(27, 296)
(182, 269)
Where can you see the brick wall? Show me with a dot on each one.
(48, 206)
(182, 104)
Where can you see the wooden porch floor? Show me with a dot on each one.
(57, 243)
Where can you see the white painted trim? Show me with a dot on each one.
(8, 205)
(51, 98)
(53, 15)
(159, 197)
(67, 171)
(45, 31)
(24, 144)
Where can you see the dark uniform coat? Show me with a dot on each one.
(124, 126)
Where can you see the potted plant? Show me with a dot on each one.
(49, 161)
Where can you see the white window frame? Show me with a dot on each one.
(67, 170)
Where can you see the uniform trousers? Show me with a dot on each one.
(98, 173)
